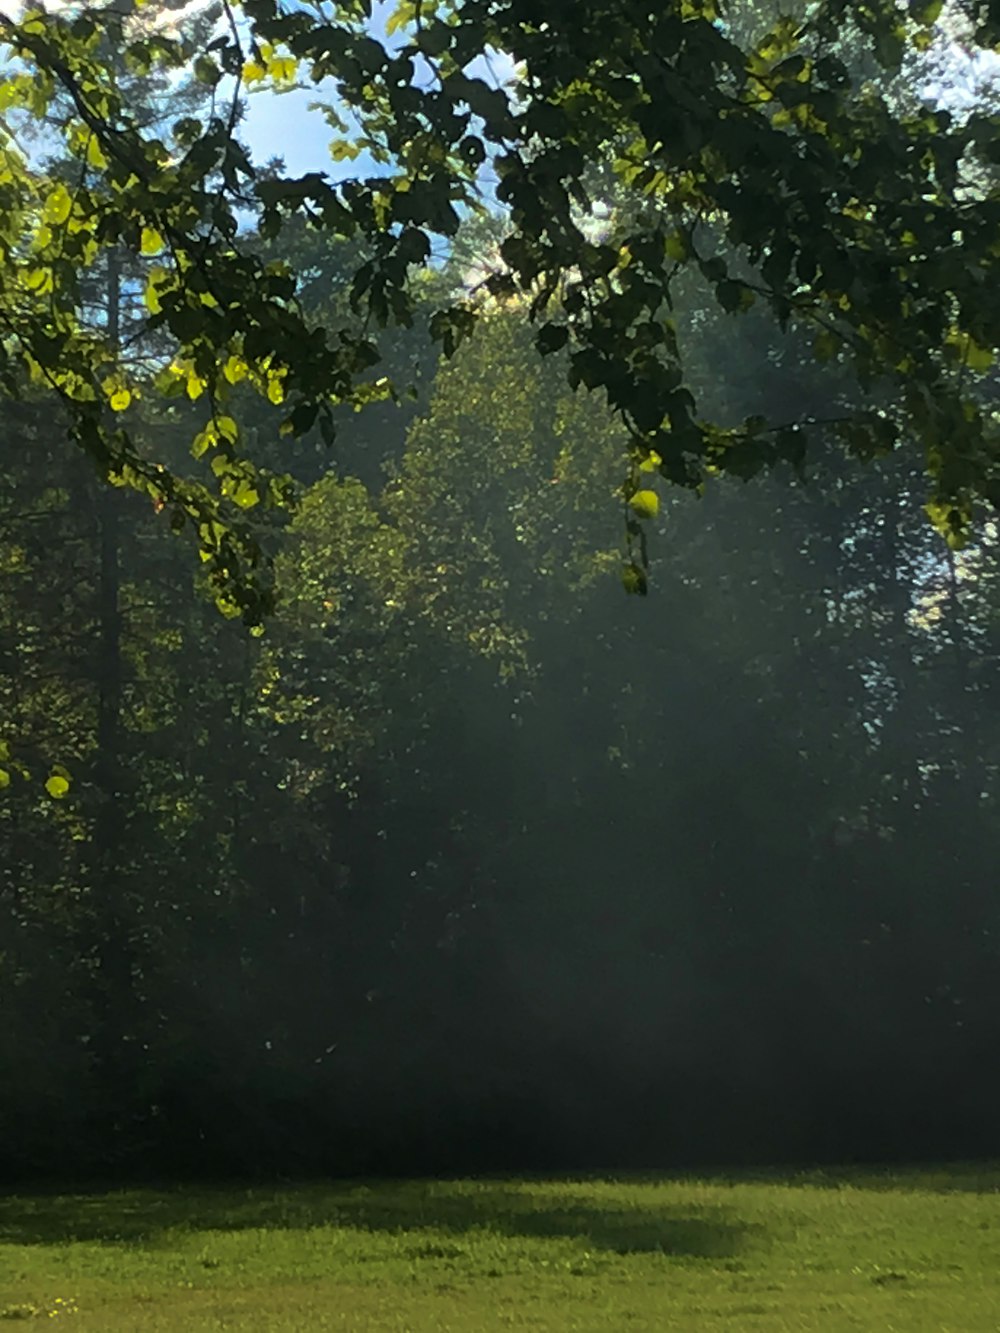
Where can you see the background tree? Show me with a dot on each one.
(468, 860)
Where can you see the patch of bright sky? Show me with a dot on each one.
(965, 76)
(281, 125)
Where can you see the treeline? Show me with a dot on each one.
(470, 861)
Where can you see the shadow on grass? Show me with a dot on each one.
(533, 1208)
(454, 1208)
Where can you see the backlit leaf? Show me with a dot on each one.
(58, 205)
(646, 504)
(95, 153)
(282, 68)
(235, 369)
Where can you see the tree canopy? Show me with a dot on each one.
(635, 148)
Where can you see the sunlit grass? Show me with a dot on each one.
(907, 1251)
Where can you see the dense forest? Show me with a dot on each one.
(457, 857)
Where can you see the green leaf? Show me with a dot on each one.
(282, 68)
(207, 71)
(646, 504)
(235, 370)
(926, 12)
(40, 280)
(734, 296)
(4, 778)
(964, 349)
(634, 580)
(402, 15)
(57, 786)
(344, 150)
(978, 358)
(826, 345)
(202, 442)
(551, 337)
(151, 243)
(58, 205)
(950, 522)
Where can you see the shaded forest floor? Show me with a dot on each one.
(905, 1250)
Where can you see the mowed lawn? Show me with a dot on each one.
(901, 1250)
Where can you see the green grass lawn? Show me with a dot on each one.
(904, 1250)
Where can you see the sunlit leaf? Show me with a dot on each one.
(342, 150)
(646, 504)
(58, 205)
(282, 68)
(95, 154)
(235, 369)
(39, 280)
(202, 442)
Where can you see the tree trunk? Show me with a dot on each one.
(116, 1037)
